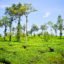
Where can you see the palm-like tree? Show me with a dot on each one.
(55, 27)
(11, 13)
(34, 28)
(60, 25)
(17, 11)
(29, 9)
(43, 27)
(50, 23)
(10, 26)
(31, 31)
(5, 22)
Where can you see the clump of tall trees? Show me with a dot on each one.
(15, 12)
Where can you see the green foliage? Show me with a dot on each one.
(55, 27)
(43, 27)
(60, 25)
(34, 28)
(46, 36)
(42, 49)
(35, 51)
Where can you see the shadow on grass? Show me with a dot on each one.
(4, 61)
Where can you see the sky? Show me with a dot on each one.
(47, 10)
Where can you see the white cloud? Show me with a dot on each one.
(47, 14)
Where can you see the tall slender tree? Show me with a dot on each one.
(5, 22)
(43, 27)
(11, 14)
(55, 27)
(34, 28)
(10, 26)
(29, 9)
(60, 25)
(17, 11)
(50, 23)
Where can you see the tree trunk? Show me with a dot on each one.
(60, 34)
(5, 33)
(10, 30)
(18, 30)
(26, 27)
(56, 32)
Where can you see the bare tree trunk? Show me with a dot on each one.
(10, 31)
(56, 32)
(5, 33)
(60, 34)
(26, 27)
(18, 30)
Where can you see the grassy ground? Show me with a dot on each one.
(35, 51)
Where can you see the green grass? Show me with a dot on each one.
(36, 51)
